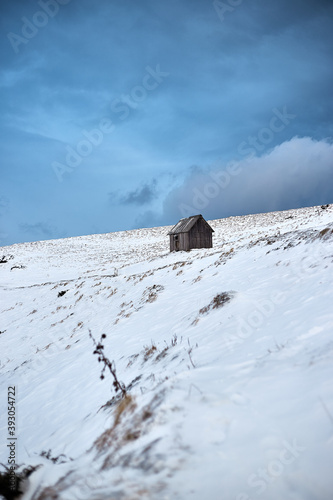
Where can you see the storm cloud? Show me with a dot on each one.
(140, 196)
(76, 80)
(294, 174)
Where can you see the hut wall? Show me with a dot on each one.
(200, 236)
(185, 241)
(172, 243)
(180, 241)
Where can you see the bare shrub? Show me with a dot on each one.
(99, 350)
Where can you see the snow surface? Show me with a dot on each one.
(229, 402)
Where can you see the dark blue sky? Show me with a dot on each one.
(122, 114)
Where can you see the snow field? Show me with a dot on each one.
(224, 402)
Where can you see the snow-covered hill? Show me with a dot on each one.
(226, 355)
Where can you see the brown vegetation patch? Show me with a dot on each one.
(151, 292)
(149, 351)
(218, 301)
(325, 234)
(125, 406)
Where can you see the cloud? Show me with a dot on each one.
(294, 174)
(42, 229)
(140, 196)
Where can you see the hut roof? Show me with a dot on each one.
(184, 225)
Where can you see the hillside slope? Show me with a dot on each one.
(226, 354)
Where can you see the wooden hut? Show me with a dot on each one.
(191, 232)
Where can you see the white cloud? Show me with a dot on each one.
(296, 173)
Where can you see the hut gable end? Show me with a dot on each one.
(191, 232)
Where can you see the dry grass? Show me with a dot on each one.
(132, 360)
(64, 319)
(204, 310)
(218, 301)
(325, 234)
(151, 292)
(162, 354)
(124, 407)
(130, 423)
(148, 352)
(221, 299)
(224, 257)
(180, 264)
